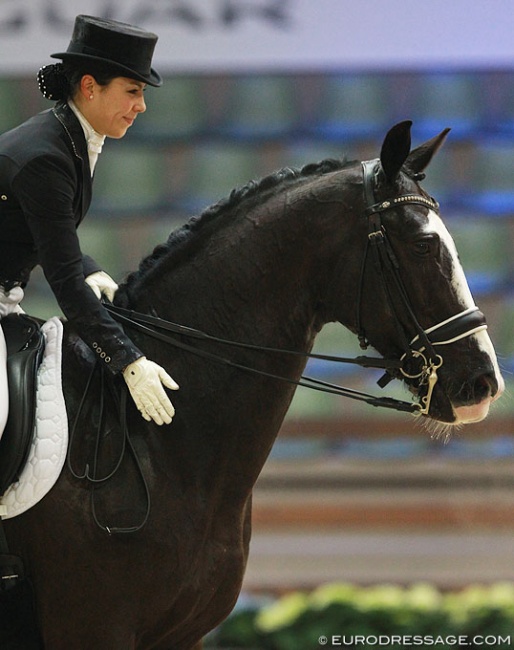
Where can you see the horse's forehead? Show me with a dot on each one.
(433, 223)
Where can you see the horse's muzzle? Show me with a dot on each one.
(471, 402)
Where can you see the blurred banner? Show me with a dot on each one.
(309, 35)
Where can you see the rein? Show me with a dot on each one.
(90, 472)
(156, 327)
(420, 360)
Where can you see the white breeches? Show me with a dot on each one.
(9, 303)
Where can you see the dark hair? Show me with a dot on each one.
(60, 81)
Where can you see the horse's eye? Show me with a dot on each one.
(422, 247)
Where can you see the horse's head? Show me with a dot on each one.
(414, 302)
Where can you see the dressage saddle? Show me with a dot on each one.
(25, 347)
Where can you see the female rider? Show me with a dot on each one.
(46, 170)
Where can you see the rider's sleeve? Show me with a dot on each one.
(46, 194)
(90, 265)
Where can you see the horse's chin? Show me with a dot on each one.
(446, 413)
(456, 416)
(472, 413)
(445, 418)
(441, 425)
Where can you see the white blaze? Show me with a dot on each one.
(475, 412)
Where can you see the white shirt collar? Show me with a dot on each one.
(94, 140)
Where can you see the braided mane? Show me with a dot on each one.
(256, 188)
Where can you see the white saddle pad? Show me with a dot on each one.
(50, 443)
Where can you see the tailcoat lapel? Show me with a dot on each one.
(78, 147)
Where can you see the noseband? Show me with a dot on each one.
(420, 359)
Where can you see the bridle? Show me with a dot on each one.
(420, 359)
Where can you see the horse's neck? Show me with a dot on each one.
(253, 282)
(257, 282)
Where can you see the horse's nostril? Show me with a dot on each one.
(477, 389)
(484, 386)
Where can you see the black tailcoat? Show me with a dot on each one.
(45, 192)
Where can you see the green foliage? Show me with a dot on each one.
(297, 620)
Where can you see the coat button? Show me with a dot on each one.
(3, 197)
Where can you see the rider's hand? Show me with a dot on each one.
(145, 380)
(102, 283)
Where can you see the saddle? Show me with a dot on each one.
(25, 347)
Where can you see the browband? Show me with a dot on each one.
(371, 171)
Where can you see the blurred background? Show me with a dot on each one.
(349, 493)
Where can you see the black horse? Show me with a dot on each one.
(361, 244)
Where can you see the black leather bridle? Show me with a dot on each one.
(419, 361)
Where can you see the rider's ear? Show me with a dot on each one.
(420, 157)
(395, 149)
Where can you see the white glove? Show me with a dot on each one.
(102, 283)
(145, 379)
(10, 301)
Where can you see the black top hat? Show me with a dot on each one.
(126, 48)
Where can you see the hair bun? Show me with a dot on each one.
(52, 82)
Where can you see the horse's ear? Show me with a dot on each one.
(395, 149)
(420, 157)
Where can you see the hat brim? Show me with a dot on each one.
(153, 79)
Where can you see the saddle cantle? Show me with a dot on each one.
(25, 347)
